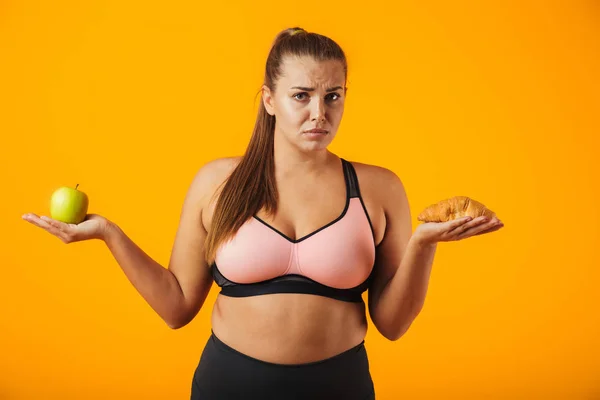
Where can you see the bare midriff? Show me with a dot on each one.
(288, 328)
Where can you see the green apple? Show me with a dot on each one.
(69, 205)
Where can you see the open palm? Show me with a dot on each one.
(92, 227)
(458, 229)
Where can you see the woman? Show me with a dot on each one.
(293, 235)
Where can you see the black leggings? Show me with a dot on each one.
(224, 373)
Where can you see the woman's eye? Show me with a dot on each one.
(300, 94)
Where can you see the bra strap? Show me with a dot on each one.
(351, 179)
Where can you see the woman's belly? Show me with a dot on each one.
(288, 328)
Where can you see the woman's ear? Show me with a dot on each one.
(268, 100)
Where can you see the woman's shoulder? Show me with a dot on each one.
(214, 172)
(376, 176)
(381, 184)
(220, 166)
(211, 174)
(208, 179)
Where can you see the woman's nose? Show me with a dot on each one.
(318, 113)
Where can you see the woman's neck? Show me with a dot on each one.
(289, 159)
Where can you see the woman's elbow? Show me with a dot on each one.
(393, 333)
(178, 323)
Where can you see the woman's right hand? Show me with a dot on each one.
(94, 226)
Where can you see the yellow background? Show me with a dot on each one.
(128, 99)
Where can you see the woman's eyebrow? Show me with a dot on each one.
(311, 89)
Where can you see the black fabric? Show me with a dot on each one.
(351, 179)
(224, 373)
(292, 283)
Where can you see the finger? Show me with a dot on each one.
(480, 229)
(57, 224)
(466, 226)
(42, 223)
(63, 230)
(35, 220)
(455, 223)
(492, 229)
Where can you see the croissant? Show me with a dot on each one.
(453, 208)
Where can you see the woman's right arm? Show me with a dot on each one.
(178, 292)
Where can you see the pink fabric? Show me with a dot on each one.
(340, 256)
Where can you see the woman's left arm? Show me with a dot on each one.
(405, 259)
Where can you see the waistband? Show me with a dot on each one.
(338, 357)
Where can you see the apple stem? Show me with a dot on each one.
(76, 186)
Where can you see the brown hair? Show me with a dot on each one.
(251, 186)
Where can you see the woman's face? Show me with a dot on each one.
(309, 95)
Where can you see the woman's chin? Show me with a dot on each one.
(315, 143)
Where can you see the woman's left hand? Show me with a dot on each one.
(454, 230)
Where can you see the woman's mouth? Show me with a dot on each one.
(315, 134)
(316, 130)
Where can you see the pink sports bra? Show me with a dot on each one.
(337, 260)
